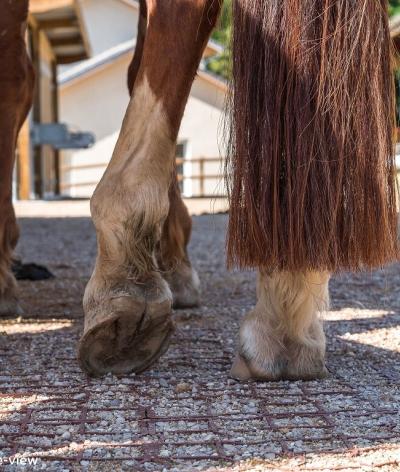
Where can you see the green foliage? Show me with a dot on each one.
(222, 32)
(394, 7)
(220, 64)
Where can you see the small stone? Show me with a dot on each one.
(114, 403)
(183, 387)
(66, 435)
(80, 396)
(163, 383)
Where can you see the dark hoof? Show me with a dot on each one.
(128, 337)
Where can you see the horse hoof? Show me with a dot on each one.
(9, 306)
(126, 332)
(185, 286)
(311, 369)
(282, 369)
(312, 374)
(244, 370)
(240, 370)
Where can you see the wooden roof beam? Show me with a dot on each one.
(40, 6)
(69, 58)
(50, 23)
(67, 40)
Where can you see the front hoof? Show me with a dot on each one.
(126, 332)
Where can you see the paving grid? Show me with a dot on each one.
(186, 413)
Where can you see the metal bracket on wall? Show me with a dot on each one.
(59, 136)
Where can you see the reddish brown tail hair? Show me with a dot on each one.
(311, 171)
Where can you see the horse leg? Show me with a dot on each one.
(16, 86)
(127, 303)
(283, 338)
(309, 190)
(172, 254)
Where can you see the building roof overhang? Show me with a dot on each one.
(107, 58)
(60, 21)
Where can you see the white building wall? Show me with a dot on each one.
(97, 103)
(107, 23)
(202, 130)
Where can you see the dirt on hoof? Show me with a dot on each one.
(126, 329)
(119, 346)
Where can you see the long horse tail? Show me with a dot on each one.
(311, 171)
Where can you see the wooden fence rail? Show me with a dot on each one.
(202, 175)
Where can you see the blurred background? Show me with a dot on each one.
(81, 50)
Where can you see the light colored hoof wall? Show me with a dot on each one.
(244, 370)
(185, 287)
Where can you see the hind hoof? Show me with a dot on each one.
(244, 370)
(185, 286)
(9, 305)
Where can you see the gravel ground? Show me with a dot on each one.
(186, 413)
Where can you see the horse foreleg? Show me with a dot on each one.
(127, 303)
(16, 85)
(283, 338)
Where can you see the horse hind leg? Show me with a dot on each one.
(16, 87)
(8, 286)
(311, 191)
(283, 338)
(127, 303)
(173, 257)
